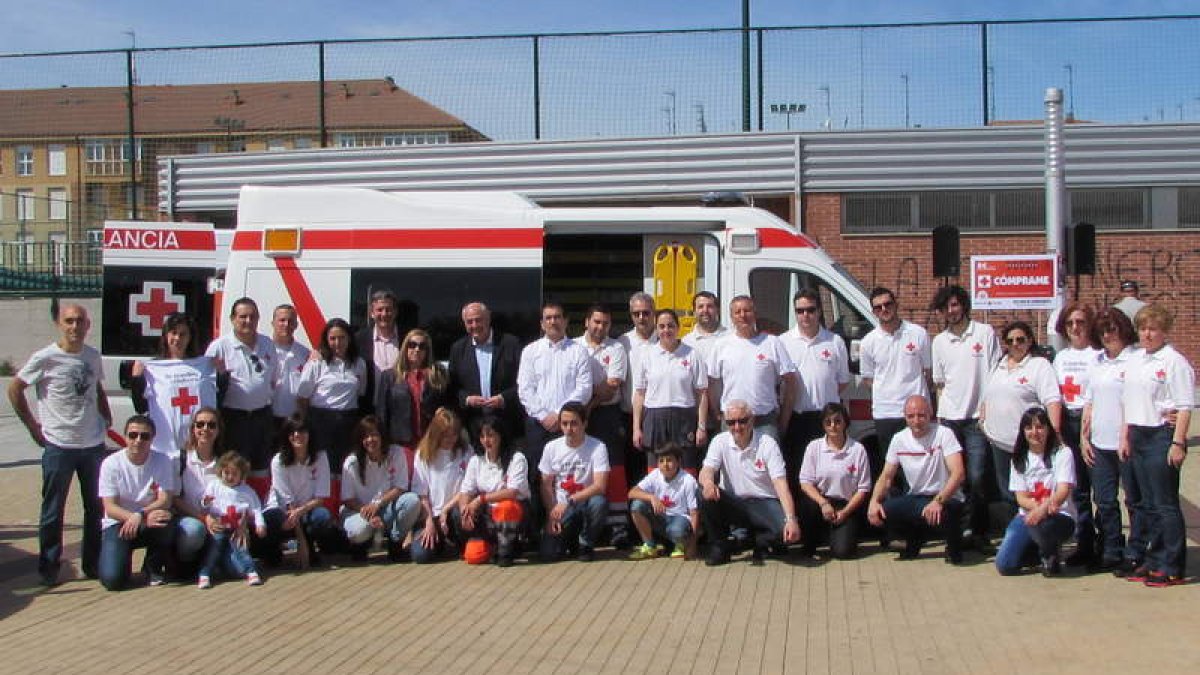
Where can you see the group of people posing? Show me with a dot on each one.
(730, 436)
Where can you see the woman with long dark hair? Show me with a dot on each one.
(329, 392)
(375, 496)
(494, 495)
(172, 387)
(299, 488)
(1042, 479)
(197, 466)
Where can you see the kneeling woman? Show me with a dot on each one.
(835, 478)
(437, 474)
(375, 496)
(495, 492)
(1042, 478)
(299, 488)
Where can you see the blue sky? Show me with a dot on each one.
(633, 86)
(57, 25)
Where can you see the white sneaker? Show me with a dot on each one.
(253, 579)
(204, 583)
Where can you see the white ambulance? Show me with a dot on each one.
(326, 249)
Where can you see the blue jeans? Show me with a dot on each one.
(762, 516)
(116, 554)
(979, 465)
(582, 523)
(1002, 463)
(1137, 507)
(1085, 527)
(1106, 476)
(1047, 535)
(58, 465)
(190, 537)
(903, 518)
(398, 518)
(318, 526)
(1160, 488)
(677, 529)
(446, 544)
(223, 555)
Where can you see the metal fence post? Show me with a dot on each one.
(985, 64)
(321, 94)
(537, 89)
(132, 139)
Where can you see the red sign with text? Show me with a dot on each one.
(1013, 281)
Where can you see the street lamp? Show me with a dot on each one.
(787, 110)
(904, 76)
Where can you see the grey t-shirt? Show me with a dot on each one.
(66, 386)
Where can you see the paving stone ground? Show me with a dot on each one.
(872, 615)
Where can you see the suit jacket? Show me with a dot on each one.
(393, 407)
(464, 382)
(365, 339)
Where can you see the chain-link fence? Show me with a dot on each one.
(88, 128)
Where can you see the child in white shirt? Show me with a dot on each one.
(665, 503)
(229, 507)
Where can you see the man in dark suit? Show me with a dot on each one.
(483, 373)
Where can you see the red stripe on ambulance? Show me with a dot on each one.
(369, 239)
(307, 309)
(770, 238)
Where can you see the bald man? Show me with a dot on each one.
(931, 459)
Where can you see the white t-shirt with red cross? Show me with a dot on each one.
(1157, 383)
(1040, 480)
(298, 483)
(574, 469)
(1072, 366)
(135, 486)
(175, 390)
(836, 473)
(233, 505)
(484, 475)
(678, 495)
(440, 479)
(378, 477)
(749, 471)
(923, 459)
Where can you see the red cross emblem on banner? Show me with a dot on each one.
(1040, 491)
(1070, 388)
(231, 519)
(149, 309)
(184, 400)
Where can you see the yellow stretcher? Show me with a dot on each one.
(676, 267)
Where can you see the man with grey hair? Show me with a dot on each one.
(73, 415)
(641, 313)
(753, 493)
(483, 373)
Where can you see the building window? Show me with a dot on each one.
(57, 199)
(108, 157)
(390, 140)
(1111, 208)
(25, 205)
(24, 160)
(205, 148)
(302, 143)
(57, 155)
(276, 145)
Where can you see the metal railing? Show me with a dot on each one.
(50, 268)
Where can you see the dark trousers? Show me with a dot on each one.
(762, 516)
(979, 473)
(1137, 507)
(1106, 476)
(1159, 482)
(536, 438)
(116, 554)
(250, 433)
(1085, 526)
(58, 467)
(843, 538)
(582, 525)
(904, 520)
(885, 429)
(802, 429)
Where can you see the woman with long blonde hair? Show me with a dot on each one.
(438, 471)
(409, 393)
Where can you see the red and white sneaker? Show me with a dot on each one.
(1160, 580)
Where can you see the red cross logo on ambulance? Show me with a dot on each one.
(149, 309)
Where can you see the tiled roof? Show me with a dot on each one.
(211, 108)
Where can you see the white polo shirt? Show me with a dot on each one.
(1071, 366)
(609, 362)
(750, 369)
(574, 469)
(195, 477)
(923, 460)
(299, 483)
(896, 362)
(1040, 480)
(823, 364)
(134, 486)
(1011, 391)
(333, 385)
(1105, 387)
(378, 477)
(633, 344)
(837, 474)
(484, 475)
(670, 379)
(552, 374)
(678, 495)
(289, 364)
(961, 364)
(748, 471)
(440, 479)
(251, 371)
(1156, 384)
(704, 343)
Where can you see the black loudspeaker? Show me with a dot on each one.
(1081, 249)
(945, 251)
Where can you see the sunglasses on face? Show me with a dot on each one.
(139, 435)
(1016, 340)
(205, 424)
(417, 345)
(737, 421)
